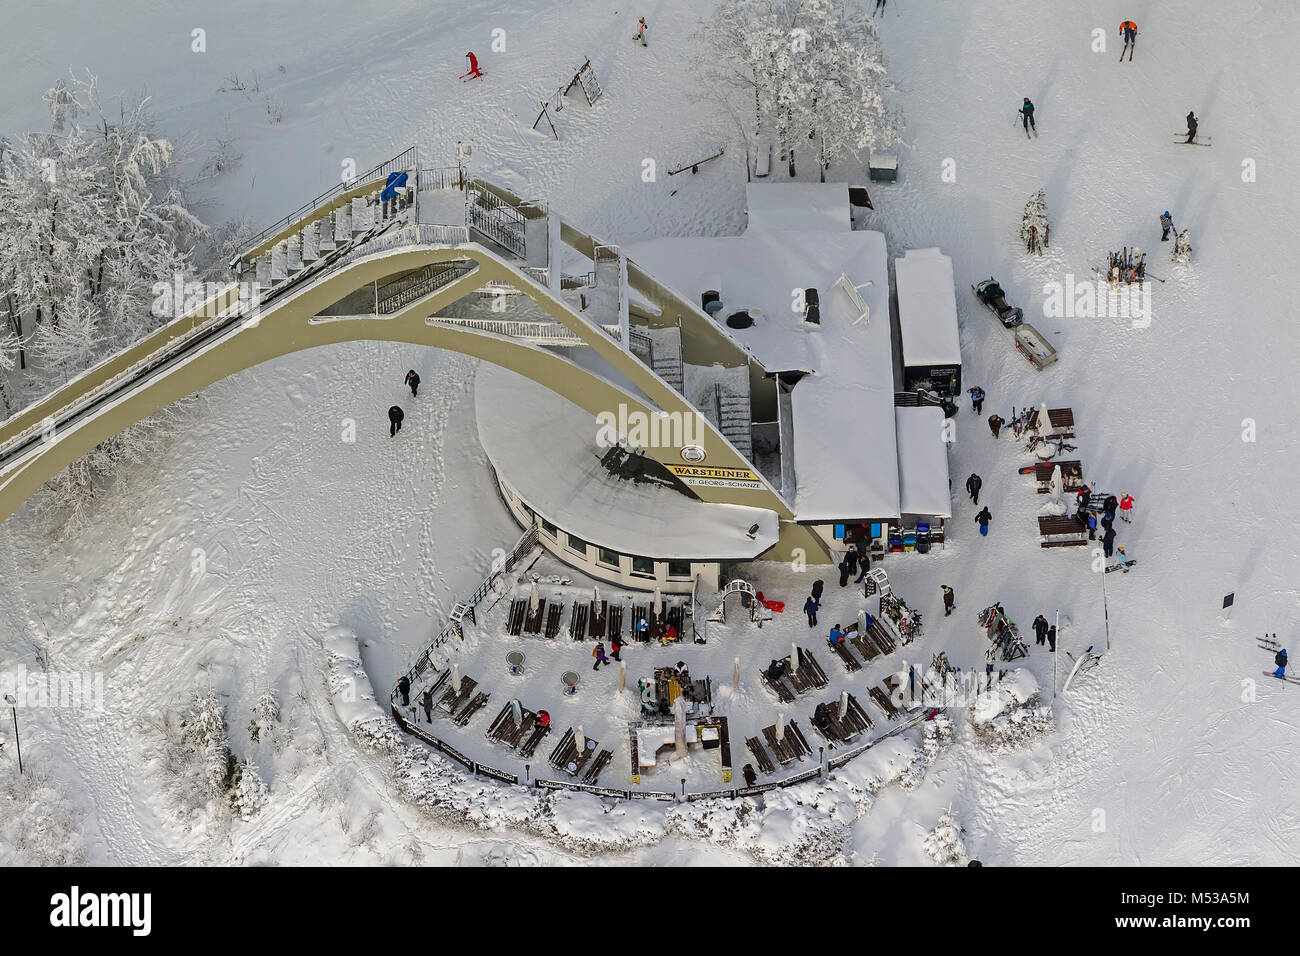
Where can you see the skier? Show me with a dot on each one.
(1126, 508)
(1108, 541)
(1191, 127)
(1166, 226)
(747, 771)
(973, 484)
(473, 71)
(616, 646)
(404, 688)
(817, 588)
(810, 608)
(413, 380)
(599, 654)
(395, 416)
(641, 28)
(995, 424)
(1129, 31)
(1280, 661)
(1040, 626)
(1027, 117)
(949, 599)
(983, 519)
(977, 399)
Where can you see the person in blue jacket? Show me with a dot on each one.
(810, 608)
(977, 399)
(1280, 661)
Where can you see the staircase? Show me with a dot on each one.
(734, 419)
(666, 360)
(496, 219)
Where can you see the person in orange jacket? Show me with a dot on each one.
(1129, 31)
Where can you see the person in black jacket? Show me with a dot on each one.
(982, 519)
(845, 572)
(1051, 638)
(949, 597)
(404, 688)
(973, 484)
(413, 380)
(1108, 541)
(817, 588)
(1040, 629)
(395, 416)
(810, 608)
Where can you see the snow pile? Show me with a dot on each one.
(944, 843)
(38, 826)
(349, 685)
(1011, 714)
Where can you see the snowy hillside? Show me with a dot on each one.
(1166, 744)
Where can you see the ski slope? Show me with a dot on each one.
(301, 531)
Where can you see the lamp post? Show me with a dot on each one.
(13, 708)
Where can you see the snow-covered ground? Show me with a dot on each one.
(1161, 756)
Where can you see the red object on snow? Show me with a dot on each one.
(473, 68)
(776, 607)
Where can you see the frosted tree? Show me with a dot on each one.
(1182, 254)
(266, 715)
(1034, 227)
(249, 793)
(203, 730)
(944, 843)
(814, 70)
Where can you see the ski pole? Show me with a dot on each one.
(1157, 278)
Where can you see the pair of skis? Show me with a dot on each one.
(1198, 140)
(1128, 48)
(1271, 645)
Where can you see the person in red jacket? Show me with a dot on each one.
(543, 719)
(474, 71)
(1126, 508)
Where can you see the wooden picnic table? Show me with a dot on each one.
(793, 746)
(592, 776)
(1061, 531)
(760, 755)
(882, 699)
(566, 753)
(452, 701)
(472, 708)
(504, 728)
(846, 656)
(1071, 475)
(533, 621)
(1060, 421)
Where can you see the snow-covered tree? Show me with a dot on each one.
(266, 715)
(944, 843)
(203, 730)
(1182, 254)
(93, 215)
(249, 793)
(1034, 227)
(812, 69)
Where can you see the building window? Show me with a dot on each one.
(577, 544)
(679, 569)
(550, 529)
(607, 557)
(645, 567)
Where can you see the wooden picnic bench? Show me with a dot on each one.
(614, 625)
(553, 617)
(452, 701)
(596, 617)
(515, 620)
(472, 708)
(504, 728)
(843, 727)
(760, 755)
(881, 697)
(533, 621)
(808, 674)
(1071, 475)
(1060, 422)
(566, 753)
(1061, 531)
(578, 621)
(530, 745)
(846, 656)
(792, 746)
(592, 776)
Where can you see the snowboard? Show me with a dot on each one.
(1125, 565)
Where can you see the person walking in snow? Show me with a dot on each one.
(817, 588)
(845, 570)
(995, 424)
(641, 28)
(599, 654)
(413, 380)
(1166, 226)
(1051, 638)
(1027, 116)
(1280, 661)
(880, 8)
(1191, 127)
(426, 701)
(851, 558)
(973, 485)
(1108, 542)
(395, 416)
(864, 565)
(810, 608)
(616, 646)
(982, 519)
(404, 688)
(1040, 626)
(949, 599)
(1126, 508)
(977, 399)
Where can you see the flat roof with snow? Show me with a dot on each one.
(845, 453)
(922, 462)
(545, 448)
(927, 308)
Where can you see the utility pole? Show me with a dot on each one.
(13, 707)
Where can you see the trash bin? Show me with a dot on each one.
(515, 660)
(570, 680)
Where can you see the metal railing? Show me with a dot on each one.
(541, 333)
(405, 160)
(496, 219)
(402, 292)
(441, 177)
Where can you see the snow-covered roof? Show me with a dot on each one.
(922, 462)
(845, 455)
(775, 207)
(545, 447)
(927, 308)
